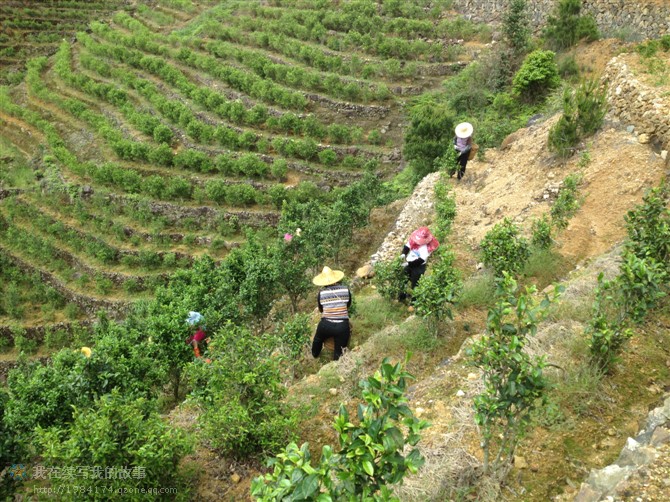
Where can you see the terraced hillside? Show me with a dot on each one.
(159, 134)
(31, 28)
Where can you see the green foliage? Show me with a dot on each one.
(607, 332)
(514, 381)
(117, 433)
(565, 26)
(567, 67)
(537, 76)
(11, 450)
(541, 228)
(641, 282)
(370, 456)
(429, 135)
(294, 335)
(504, 249)
(390, 278)
(437, 291)
(448, 162)
(516, 24)
(648, 227)
(568, 202)
(445, 208)
(241, 392)
(24, 344)
(57, 339)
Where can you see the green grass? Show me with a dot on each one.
(545, 266)
(373, 313)
(14, 169)
(478, 291)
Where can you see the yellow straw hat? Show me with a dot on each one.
(86, 351)
(328, 277)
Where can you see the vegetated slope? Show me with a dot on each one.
(156, 136)
(588, 423)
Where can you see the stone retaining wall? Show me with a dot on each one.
(646, 19)
(637, 104)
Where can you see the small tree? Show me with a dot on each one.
(565, 27)
(568, 202)
(503, 249)
(516, 26)
(514, 383)
(371, 455)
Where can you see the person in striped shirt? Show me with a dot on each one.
(334, 301)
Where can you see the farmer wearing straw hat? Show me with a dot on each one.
(415, 253)
(334, 301)
(463, 145)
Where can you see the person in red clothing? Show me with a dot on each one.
(199, 339)
(415, 253)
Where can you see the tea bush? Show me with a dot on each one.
(390, 278)
(241, 392)
(117, 435)
(541, 229)
(504, 249)
(437, 291)
(567, 203)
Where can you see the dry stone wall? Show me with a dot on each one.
(638, 104)
(647, 19)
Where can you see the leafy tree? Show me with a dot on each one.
(503, 249)
(541, 229)
(371, 454)
(514, 383)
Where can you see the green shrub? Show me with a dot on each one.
(23, 343)
(591, 103)
(541, 229)
(57, 339)
(278, 169)
(648, 227)
(567, 203)
(445, 208)
(294, 335)
(537, 76)
(567, 67)
(71, 311)
(516, 26)
(390, 278)
(327, 157)
(513, 379)
(122, 434)
(371, 454)
(641, 282)
(503, 249)
(606, 330)
(565, 26)
(437, 291)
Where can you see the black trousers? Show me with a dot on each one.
(462, 162)
(414, 272)
(339, 331)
